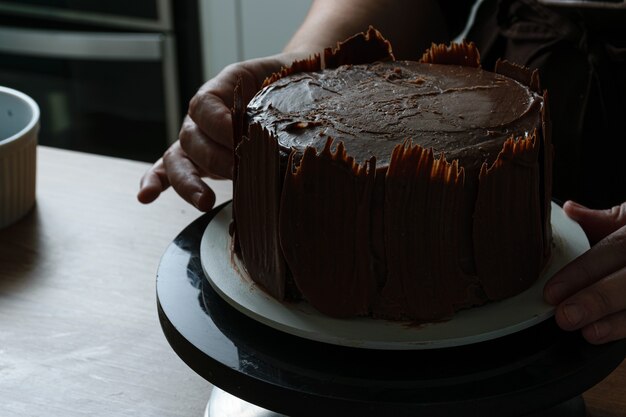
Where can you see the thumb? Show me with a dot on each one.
(597, 224)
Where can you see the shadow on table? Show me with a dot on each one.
(20, 245)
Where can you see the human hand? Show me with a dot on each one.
(205, 144)
(590, 292)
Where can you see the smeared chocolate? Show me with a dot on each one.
(256, 210)
(325, 230)
(508, 208)
(422, 237)
(463, 112)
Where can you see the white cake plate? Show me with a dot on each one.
(227, 276)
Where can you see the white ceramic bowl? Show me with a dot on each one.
(19, 127)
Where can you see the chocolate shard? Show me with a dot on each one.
(546, 158)
(361, 48)
(424, 279)
(326, 198)
(256, 194)
(521, 74)
(238, 112)
(464, 53)
(508, 203)
(310, 64)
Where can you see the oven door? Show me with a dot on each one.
(137, 14)
(109, 93)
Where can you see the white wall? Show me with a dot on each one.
(234, 30)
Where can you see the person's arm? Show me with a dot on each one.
(205, 142)
(410, 26)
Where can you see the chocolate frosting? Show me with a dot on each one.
(460, 111)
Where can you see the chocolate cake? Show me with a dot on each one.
(401, 190)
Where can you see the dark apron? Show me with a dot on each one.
(581, 57)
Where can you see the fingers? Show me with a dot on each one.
(606, 330)
(153, 183)
(212, 117)
(600, 261)
(590, 292)
(597, 224)
(599, 310)
(179, 171)
(186, 178)
(207, 132)
(211, 158)
(199, 151)
(205, 144)
(211, 107)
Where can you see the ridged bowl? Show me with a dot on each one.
(19, 127)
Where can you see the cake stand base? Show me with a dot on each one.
(530, 373)
(223, 404)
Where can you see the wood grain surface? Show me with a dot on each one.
(79, 333)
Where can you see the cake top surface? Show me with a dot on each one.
(464, 112)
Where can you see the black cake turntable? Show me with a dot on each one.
(261, 369)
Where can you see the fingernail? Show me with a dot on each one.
(598, 330)
(573, 314)
(575, 204)
(196, 198)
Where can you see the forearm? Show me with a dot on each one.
(410, 26)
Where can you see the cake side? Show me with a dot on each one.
(325, 230)
(422, 236)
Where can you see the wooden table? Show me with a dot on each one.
(79, 333)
